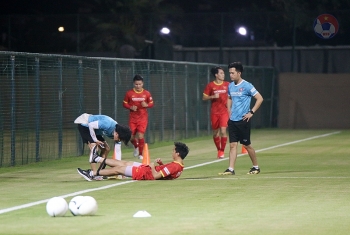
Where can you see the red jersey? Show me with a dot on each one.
(218, 105)
(133, 97)
(169, 171)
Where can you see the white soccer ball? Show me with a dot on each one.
(74, 204)
(56, 206)
(83, 205)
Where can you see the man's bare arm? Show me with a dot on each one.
(156, 175)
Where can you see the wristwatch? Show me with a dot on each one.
(251, 111)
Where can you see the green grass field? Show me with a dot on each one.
(303, 188)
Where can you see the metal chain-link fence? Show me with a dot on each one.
(42, 94)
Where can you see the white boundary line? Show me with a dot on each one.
(285, 177)
(131, 181)
(272, 147)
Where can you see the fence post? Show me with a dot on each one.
(147, 80)
(37, 109)
(13, 112)
(186, 101)
(115, 89)
(60, 107)
(99, 87)
(163, 103)
(198, 103)
(208, 105)
(80, 84)
(174, 101)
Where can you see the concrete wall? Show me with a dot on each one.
(313, 101)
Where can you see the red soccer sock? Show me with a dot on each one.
(217, 142)
(223, 143)
(134, 142)
(141, 144)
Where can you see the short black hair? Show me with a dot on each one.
(182, 149)
(137, 77)
(215, 70)
(124, 133)
(237, 65)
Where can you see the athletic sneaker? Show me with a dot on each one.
(221, 154)
(136, 152)
(98, 178)
(253, 171)
(85, 174)
(227, 172)
(93, 153)
(140, 157)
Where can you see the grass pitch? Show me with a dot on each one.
(303, 188)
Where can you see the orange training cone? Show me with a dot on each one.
(145, 154)
(244, 150)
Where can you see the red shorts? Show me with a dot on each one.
(138, 127)
(142, 172)
(219, 120)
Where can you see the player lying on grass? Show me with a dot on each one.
(138, 171)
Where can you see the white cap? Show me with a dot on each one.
(82, 119)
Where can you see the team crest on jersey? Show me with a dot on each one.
(241, 89)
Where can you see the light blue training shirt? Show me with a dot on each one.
(105, 124)
(241, 95)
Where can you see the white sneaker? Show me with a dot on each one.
(136, 151)
(140, 157)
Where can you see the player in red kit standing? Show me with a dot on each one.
(216, 92)
(138, 100)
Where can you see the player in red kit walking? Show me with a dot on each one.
(138, 100)
(138, 171)
(216, 91)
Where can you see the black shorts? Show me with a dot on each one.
(85, 135)
(239, 131)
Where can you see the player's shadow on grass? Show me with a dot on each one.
(197, 178)
(280, 172)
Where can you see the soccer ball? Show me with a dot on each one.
(56, 206)
(325, 30)
(74, 204)
(83, 205)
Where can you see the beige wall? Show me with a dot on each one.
(313, 101)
